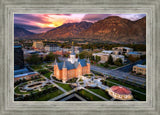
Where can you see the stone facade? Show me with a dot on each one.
(71, 68)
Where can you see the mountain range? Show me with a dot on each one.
(113, 29)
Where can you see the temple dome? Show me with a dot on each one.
(120, 93)
(120, 90)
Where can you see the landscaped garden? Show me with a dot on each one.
(43, 95)
(88, 96)
(73, 80)
(18, 91)
(100, 92)
(45, 72)
(138, 96)
(67, 87)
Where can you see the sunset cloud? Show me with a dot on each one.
(45, 22)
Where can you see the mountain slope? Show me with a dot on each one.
(69, 30)
(113, 29)
(21, 32)
(117, 29)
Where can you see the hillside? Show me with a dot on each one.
(114, 29)
(21, 32)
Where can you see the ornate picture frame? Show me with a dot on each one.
(149, 107)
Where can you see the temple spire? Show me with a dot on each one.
(73, 53)
(88, 61)
(55, 62)
(64, 64)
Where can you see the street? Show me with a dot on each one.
(119, 74)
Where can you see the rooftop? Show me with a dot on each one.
(69, 65)
(120, 90)
(133, 53)
(25, 74)
(17, 46)
(141, 66)
(107, 51)
(21, 71)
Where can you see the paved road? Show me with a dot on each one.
(129, 67)
(119, 74)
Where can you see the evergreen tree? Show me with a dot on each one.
(110, 60)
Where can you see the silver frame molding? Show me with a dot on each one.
(10, 7)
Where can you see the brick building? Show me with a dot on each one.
(71, 68)
(139, 69)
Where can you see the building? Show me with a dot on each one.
(71, 68)
(139, 69)
(52, 48)
(104, 55)
(136, 54)
(120, 93)
(122, 50)
(26, 76)
(38, 45)
(18, 57)
(60, 52)
(77, 49)
(115, 57)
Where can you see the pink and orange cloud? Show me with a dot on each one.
(44, 22)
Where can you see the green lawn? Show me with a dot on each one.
(49, 95)
(47, 86)
(73, 80)
(67, 87)
(127, 85)
(88, 96)
(113, 67)
(101, 93)
(36, 67)
(108, 83)
(48, 75)
(138, 96)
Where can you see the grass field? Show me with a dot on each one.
(47, 75)
(139, 96)
(49, 96)
(67, 87)
(101, 93)
(88, 96)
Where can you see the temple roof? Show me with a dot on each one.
(120, 90)
(69, 65)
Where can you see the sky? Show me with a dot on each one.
(39, 23)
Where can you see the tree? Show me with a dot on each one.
(34, 59)
(132, 58)
(106, 64)
(50, 57)
(118, 62)
(98, 58)
(110, 60)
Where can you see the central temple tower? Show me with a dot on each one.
(72, 58)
